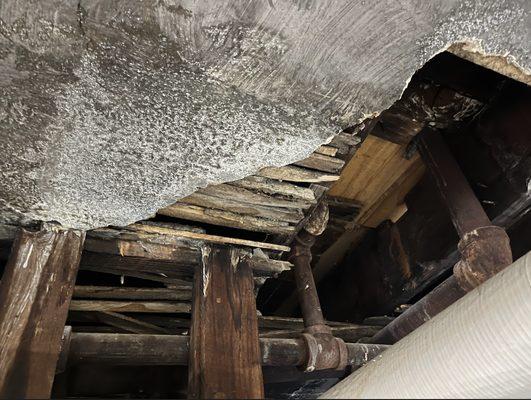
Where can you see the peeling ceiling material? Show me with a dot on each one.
(112, 110)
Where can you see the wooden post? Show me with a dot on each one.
(225, 360)
(35, 294)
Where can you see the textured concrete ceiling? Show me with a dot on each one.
(110, 110)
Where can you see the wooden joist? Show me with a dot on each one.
(254, 192)
(226, 218)
(236, 206)
(297, 174)
(130, 306)
(132, 293)
(203, 237)
(276, 188)
(129, 324)
(327, 150)
(172, 256)
(321, 162)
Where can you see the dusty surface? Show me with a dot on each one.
(110, 110)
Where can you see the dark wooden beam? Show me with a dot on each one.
(35, 293)
(225, 359)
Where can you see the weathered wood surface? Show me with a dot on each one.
(130, 306)
(35, 294)
(297, 174)
(321, 162)
(249, 196)
(203, 237)
(176, 257)
(225, 360)
(129, 324)
(132, 293)
(226, 218)
(327, 150)
(227, 204)
(274, 187)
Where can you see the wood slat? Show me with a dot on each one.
(200, 199)
(225, 218)
(207, 238)
(321, 162)
(247, 195)
(132, 293)
(327, 150)
(129, 324)
(291, 173)
(130, 306)
(276, 188)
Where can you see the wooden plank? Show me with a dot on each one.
(132, 293)
(274, 187)
(292, 215)
(249, 196)
(35, 292)
(327, 150)
(207, 238)
(129, 324)
(371, 171)
(291, 173)
(225, 218)
(225, 359)
(321, 162)
(129, 306)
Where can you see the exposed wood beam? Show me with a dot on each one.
(224, 348)
(35, 294)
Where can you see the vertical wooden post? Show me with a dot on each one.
(35, 293)
(225, 359)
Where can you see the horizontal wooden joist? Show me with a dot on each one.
(149, 253)
(227, 218)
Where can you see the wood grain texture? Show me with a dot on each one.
(225, 359)
(35, 294)
(226, 218)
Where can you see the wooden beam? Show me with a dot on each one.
(225, 360)
(276, 188)
(129, 306)
(226, 218)
(132, 293)
(290, 173)
(35, 294)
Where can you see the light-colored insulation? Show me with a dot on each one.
(479, 347)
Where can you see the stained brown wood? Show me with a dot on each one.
(206, 237)
(225, 359)
(129, 324)
(129, 306)
(132, 293)
(35, 294)
(247, 195)
(226, 218)
(274, 187)
(290, 173)
(321, 162)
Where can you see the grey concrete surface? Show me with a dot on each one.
(110, 110)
